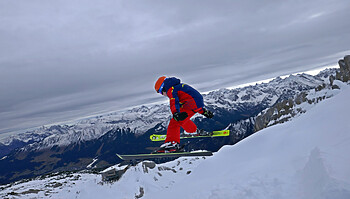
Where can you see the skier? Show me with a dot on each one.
(185, 102)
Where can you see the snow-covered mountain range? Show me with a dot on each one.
(305, 158)
(142, 118)
(92, 143)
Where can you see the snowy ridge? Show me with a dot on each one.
(68, 184)
(303, 158)
(268, 93)
(295, 107)
(145, 117)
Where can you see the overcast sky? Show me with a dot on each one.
(66, 59)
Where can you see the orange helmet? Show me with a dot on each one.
(159, 84)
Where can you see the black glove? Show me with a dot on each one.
(207, 113)
(180, 116)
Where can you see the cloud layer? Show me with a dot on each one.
(61, 60)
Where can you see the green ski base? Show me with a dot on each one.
(163, 155)
(156, 137)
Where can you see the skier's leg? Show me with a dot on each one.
(188, 125)
(173, 132)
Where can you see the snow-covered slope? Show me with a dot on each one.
(307, 157)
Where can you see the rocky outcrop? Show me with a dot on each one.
(284, 110)
(344, 72)
(287, 109)
(280, 112)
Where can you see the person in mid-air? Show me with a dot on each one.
(185, 102)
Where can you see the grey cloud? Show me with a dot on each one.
(63, 59)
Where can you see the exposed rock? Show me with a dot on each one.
(148, 165)
(279, 113)
(141, 194)
(331, 80)
(320, 87)
(344, 73)
(164, 168)
(113, 174)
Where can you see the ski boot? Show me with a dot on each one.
(169, 147)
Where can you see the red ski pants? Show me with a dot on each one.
(173, 132)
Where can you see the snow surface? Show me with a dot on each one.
(307, 158)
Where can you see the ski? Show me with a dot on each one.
(156, 137)
(164, 155)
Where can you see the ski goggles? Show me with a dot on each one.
(161, 88)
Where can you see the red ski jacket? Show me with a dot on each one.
(183, 96)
